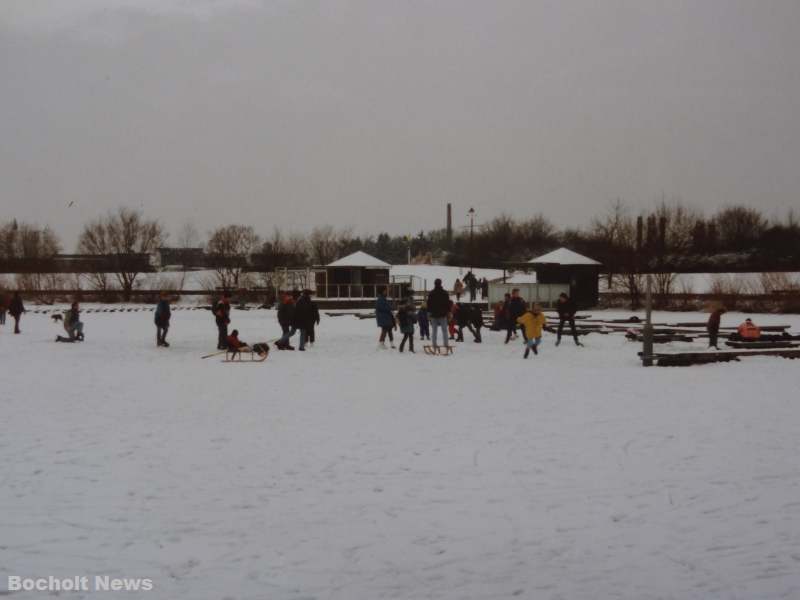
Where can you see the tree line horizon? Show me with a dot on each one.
(673, 236)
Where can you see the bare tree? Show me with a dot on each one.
(122, 235)
(326, 243)
(231, 247)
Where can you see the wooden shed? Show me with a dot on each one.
(564, 266)
(356, 276)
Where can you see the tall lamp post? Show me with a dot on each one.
(471, 214)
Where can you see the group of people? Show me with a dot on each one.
(297, 313)
(440, 314)
(471, 284)
(747, 331)
(13, 306)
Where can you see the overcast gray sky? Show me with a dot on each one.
(376, 114)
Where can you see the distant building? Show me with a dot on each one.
(580, 273)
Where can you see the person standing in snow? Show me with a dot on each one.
(566, 314)
(406, 317)
(286, 321)
(458, 289)
(162, 317)
(312, 334)
(533, 322)
(303, 319)
(422, 319)
(222, 317)
(472, 285)
(484, 288)
(713, 326)
(439, 311)
(384, 318)
(3, 307)
(514, 310)
(15, 309)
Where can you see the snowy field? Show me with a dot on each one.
(351, 473)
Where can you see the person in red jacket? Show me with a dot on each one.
(235, 345)
(749, 331)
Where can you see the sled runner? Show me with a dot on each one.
(438, 350)
(246, 354)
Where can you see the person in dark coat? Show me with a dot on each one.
(514, 309)
(286, 321)
(384, 318)
(472, 285)
(15, 309)
(422, 320)
(484, 288)
(713, 326)
(3, 307)
(303, 318)
(222, 317)
(406, 317)
(465, 316)
(439, 311)
(566, 314)
(312, 333)
(162, 317)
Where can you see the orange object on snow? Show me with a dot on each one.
(749, 330)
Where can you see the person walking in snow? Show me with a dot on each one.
(713, 326)
(533, 322)
(513, 311)
(303, 319)
(15, 309)
(222, 317)
(484, 288)
(286, 321)
(422, 320)
(439, 311)
(384, 319)
(406, 317)
(566, 314)
(162, 317)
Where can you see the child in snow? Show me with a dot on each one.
(406, 319)
(384, 319)
(533, 322)
(72, 325)
(749, 331)
(424, 325)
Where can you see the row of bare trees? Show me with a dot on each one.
(672, 237)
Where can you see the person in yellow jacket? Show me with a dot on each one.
(533, 321)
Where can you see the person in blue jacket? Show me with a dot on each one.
(424, 325)
(384, 318)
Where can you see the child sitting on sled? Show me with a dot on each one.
(236, 346)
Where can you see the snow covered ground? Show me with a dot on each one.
(351, 473)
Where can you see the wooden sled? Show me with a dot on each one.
(246, 355)
(438, 350)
